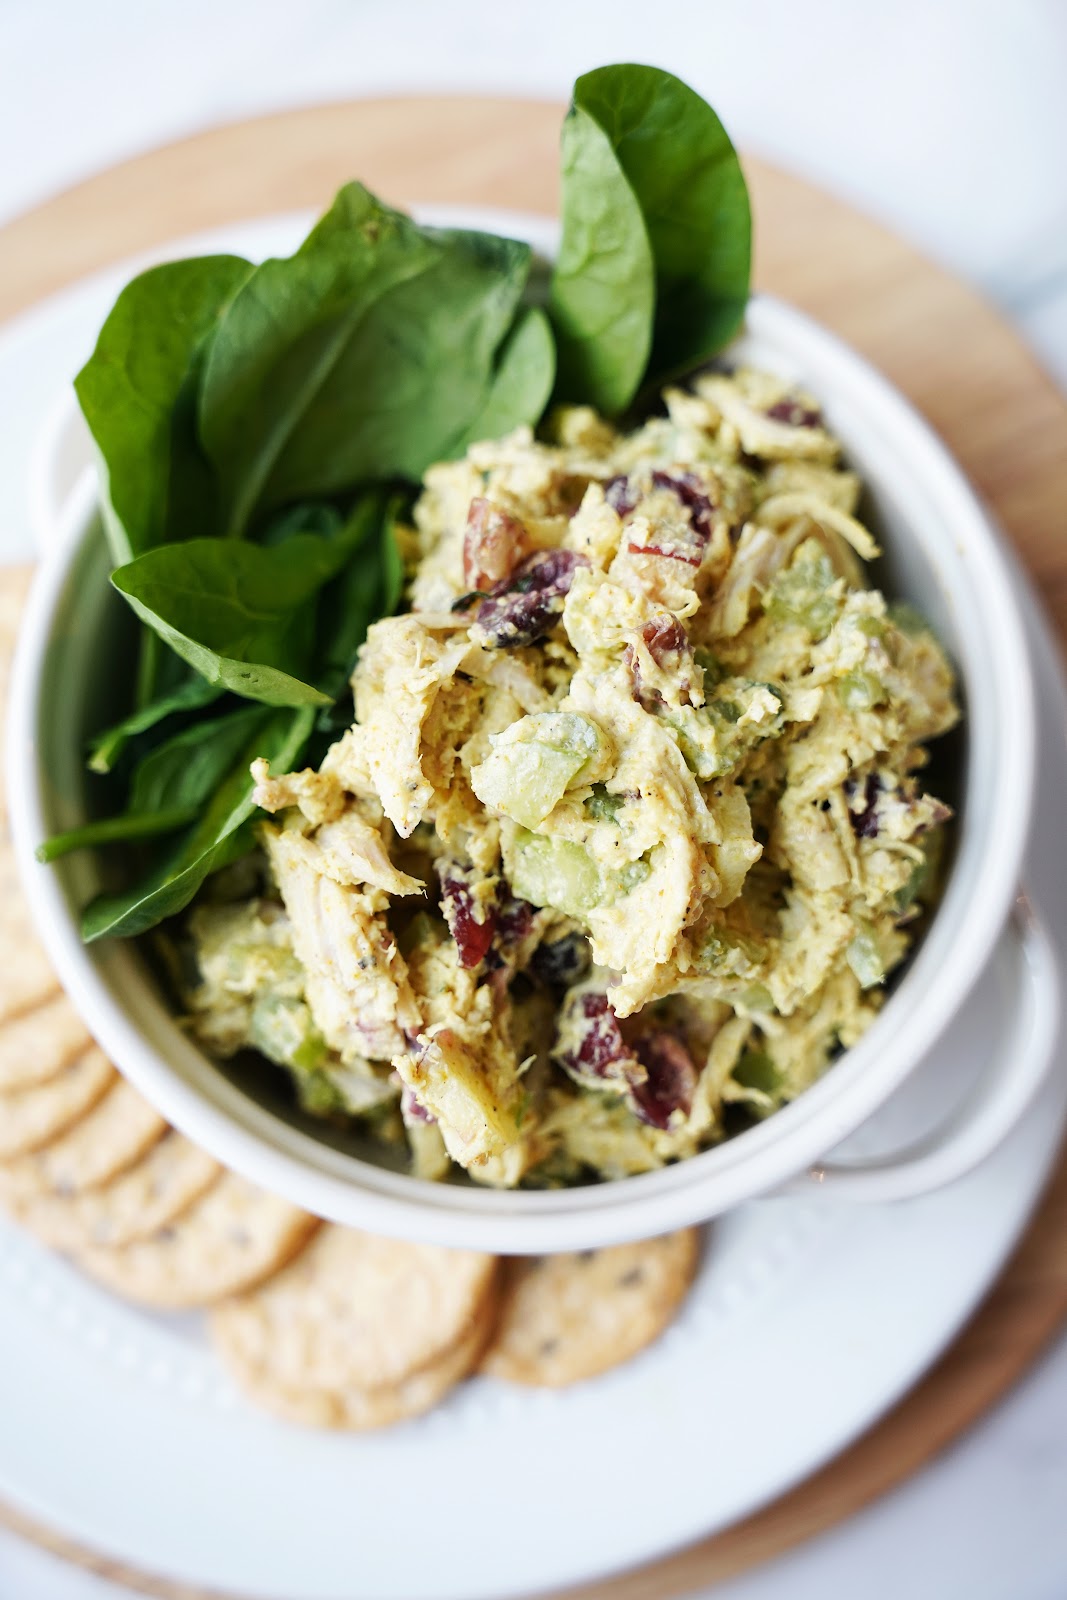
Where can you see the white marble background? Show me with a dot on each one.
(948, 119)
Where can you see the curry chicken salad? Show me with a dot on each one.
(630, 826)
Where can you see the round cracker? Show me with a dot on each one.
(357, 1311)
(569, 1317)
(26, 977)
(170, 1178)
(231, 1238)
(360, 1410)
(30, 1118)
(39, 1044)
(108, 1139)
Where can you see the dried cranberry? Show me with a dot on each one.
(524, 607)
(795, 415)
(685, 542)
(562, 962)
(494, 542)
(620, 495)
(602, 1055)
(603, 1041)
(648, 699)
(671, 1082)
(472, 937)
(864, 816)
(668, 645)
(691, 492)
(681, 544)
(665, 637)
(514, 919)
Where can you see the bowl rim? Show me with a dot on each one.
(342, 1186)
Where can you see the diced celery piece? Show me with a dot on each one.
(251, 964)
(908, 894)
(525, 781)
(908, 618)
(282, 1028)
(715, 737)
(633, 874)
(602, 805)
(756, 1070)
(727, 955)
(865, 959)
(310, 1053)
(698, 740)
(923, 878)
(861, 691)
(805, 592)
(555, 872)
(535, 761)
(319, 1095)
(562, 730)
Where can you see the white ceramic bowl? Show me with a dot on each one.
(942, 553)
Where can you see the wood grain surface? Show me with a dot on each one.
(955, 358)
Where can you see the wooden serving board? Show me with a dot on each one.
(937, 340)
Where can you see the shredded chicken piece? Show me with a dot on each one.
(357, 985)
(318, 794)
(401, 671)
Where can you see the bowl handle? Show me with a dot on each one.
(1006, 1089)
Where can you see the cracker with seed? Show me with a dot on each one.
(233, 1237)
(569, 1317)
(136, 1204)
(360, 1410)
(40, 1043)
(108, 1139)
(30, 1118)
(26, 978)
(357, 1311)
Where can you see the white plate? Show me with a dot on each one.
(808, 1321)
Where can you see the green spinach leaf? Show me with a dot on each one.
(392, 587)
(191, 695)
(417, 369)
(186, 770)
(653, 269)
(688, 182)
(308, 516)
(123, 829)
(369, 587)
(170, 784)
(602, 291)
(241, 614)
(219, 837)
(522, 382)
(364, 356)
(283, 337)
(137, 392)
